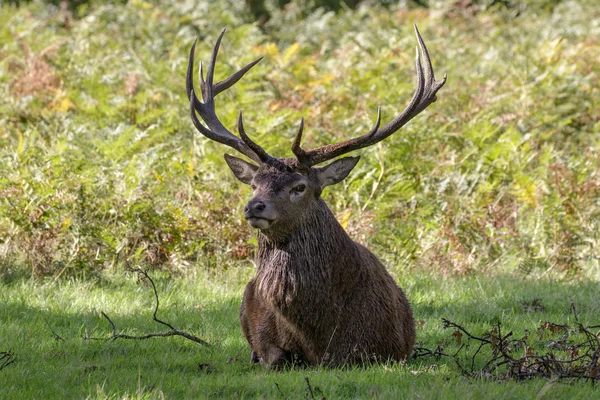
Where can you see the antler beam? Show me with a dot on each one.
(215, 129)
(424, 95)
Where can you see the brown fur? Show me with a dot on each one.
(318, 297)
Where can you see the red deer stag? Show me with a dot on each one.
(318, 297)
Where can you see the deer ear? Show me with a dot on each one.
(242, 170)
(336, 171)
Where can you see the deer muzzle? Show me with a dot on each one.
(259, 214)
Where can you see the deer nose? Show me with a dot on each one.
(254, 207)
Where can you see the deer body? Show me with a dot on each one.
(318, 297)
(328, 298)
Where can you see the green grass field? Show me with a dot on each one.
(485, 208)
(207, 306)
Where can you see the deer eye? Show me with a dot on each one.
(253, 187)
(299, 189)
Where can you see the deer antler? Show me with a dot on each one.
(424, 95)
(216, 130)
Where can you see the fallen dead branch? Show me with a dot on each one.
(171, 332)
(507, 358)
(575, 355)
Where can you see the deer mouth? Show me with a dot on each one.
(260, 223)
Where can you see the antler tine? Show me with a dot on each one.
(216, 130)
(202, 81)
(189, 80)
(296, 149)
(229, 140)
(408, 113)
(430, 82)
(428, 68)
(232, 80)
(210, 74)
(260, 152)
(301, 154)
(375, 127)
(424, 95)
(225, 83)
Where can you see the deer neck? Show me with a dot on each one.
(316, 240)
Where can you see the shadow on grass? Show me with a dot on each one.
(56, 359)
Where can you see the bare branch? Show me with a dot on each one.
(504, 358)
(172, 332)
(448, 324)
(583, 361)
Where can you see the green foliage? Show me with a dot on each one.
(101, 166)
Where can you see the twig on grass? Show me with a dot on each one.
(436, 353)
(582, 362)
(448, 324)
(279, 390)
(6, 358)
(309, 388)
(574, 311)
(56, 335)
(171, 332)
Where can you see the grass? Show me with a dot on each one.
(207, 306)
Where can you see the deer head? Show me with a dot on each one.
(286, 189)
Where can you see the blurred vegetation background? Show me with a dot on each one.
(100, 166)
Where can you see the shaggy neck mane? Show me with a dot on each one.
(319, 232)
(311, 255)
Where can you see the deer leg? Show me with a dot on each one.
(270, 349)
(251, 315)
(268, 341)
(260, 330)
